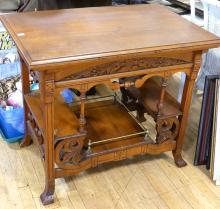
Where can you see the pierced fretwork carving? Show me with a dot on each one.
(68, 151)
(128, 65)
(167, 129)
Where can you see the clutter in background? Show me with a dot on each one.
(12, 124)
(11, 92)
(11, 109)
(9, 60)
(210, 62)
(11, 103)
(5, 40)
(208, 140)
(8, 69)
(10, 82)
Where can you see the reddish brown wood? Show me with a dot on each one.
(98, 47)
(157, 102)
(25, 90)
(185, 104)
(82, 119)
(150, 94)
(102, 25)
(162, 95)
(47, 98)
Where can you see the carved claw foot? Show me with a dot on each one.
(26, 141)
(46, 198)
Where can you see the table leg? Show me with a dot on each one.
(185, 106)
(47, 100)
(186, 100)
(25, 90)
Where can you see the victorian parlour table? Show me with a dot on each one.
(123, 48)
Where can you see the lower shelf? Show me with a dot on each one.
(112, 134)
(91, 160)
(106, 120)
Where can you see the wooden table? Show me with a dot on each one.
(121, 47)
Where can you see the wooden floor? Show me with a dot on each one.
(137, 183)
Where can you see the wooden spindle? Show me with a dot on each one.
(82, 120)
(162, 94)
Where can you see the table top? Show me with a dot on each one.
(46, 37)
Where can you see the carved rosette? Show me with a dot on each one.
(127, 65)
(167, 129)
(68, 151)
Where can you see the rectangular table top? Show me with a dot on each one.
(46, 37)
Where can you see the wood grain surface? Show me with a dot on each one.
(142, 42)
(73, 34)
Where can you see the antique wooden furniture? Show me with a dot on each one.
(153, 99)
(82, 48)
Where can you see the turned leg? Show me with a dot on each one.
(25, 90)
(162, 95)
(185, 105)
(47, 101)
(82, 119)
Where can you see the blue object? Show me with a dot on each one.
(34, 86)
(12, 124)
(68, 95)
(13, 139)
(9, 69)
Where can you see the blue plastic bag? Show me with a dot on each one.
(68, 95)
(12, 124)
